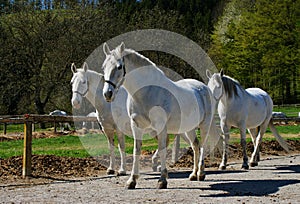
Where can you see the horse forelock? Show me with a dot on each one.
(231, 86)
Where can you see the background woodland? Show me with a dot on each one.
(254, 41)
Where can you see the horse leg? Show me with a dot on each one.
(121, 145)
(137, 136)
(243, 144)
(225, 137)
(262, 131)
(155, 161)
(206, 130)
(254, 132)
(195, 146)
(111, 147)
(162, 150)
(155, 165)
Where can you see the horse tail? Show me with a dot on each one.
(280, 139)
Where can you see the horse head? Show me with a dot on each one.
(114, 70)
(215, 84)
(79, 84)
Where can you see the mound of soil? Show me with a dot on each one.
(51, 166)
(235, 153)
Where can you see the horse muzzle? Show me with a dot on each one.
(75, 103)
(108, 95)
(109, 92)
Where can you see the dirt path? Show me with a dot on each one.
(275, 180)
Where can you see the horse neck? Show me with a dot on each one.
(140, 71)
(94, 94)
(230, 96)
(134, 60)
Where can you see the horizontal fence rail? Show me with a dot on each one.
(19, 119)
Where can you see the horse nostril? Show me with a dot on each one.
(108, 94)
(76, 104)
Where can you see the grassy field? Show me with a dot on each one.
(290, 111)
(93, 144)
(96, 144)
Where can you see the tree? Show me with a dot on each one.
(39, 47)
(259, 45)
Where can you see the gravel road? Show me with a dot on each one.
(275, 180)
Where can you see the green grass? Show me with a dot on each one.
(295, 129)
(12, 128)
(95, 144)
(248, 139)
(290, 111)
(72, 146)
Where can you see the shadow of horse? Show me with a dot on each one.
(248, 187)
(255, 187)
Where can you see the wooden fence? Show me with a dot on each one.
(28, 120)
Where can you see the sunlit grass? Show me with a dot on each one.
(96, 144)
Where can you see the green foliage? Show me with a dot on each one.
(39, 47)
(40, 39)
(259, 45)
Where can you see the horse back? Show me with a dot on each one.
(260, 106)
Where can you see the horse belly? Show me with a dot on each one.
(185, 120)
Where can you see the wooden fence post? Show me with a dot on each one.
(27, 148)
(4, 128)
(55, 126)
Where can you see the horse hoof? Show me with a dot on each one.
(201, 177)
(121, 173)
(222, 168)
(154, 169)
(162, 184)
(244, 167)
(253, 164)
(131, 185)
(110, 171)
(193, 177)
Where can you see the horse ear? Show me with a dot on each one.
(106, 49)
(222, 72)
(73, 68)
(122, 47)
(208, 74)
(85, 66)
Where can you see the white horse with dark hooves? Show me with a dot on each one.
(245, 109)
(89, 84)
(157, 106)
(113, 117)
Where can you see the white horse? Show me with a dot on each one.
(89, 84)
(85, 124)
(245, 109)
(113, 117)
(157, 106)
(61, 113)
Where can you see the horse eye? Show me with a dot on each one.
(119, 67)
(83, 82)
